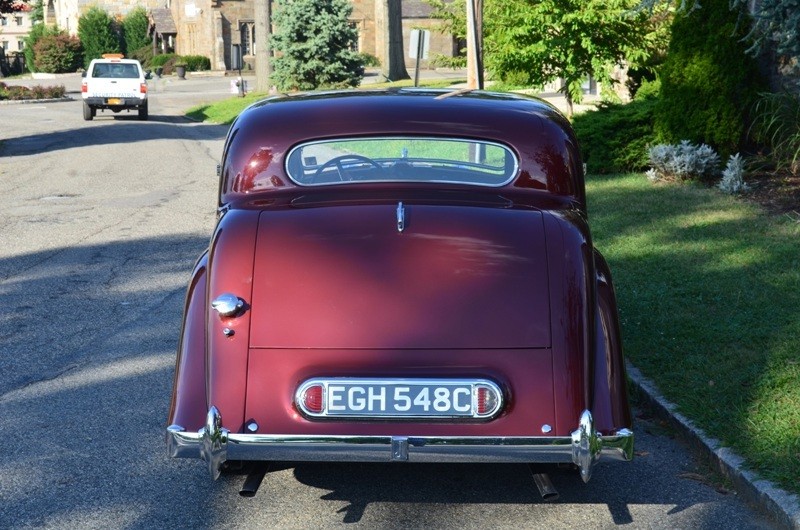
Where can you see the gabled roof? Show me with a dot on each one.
(161, 18)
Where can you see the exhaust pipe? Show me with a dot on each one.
(253, 480)
(545, 487)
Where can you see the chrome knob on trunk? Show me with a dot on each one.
(227, 304)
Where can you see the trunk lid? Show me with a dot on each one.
(457, 277)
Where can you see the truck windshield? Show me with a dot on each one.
(115, 70)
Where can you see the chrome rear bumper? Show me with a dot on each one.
(215, 445)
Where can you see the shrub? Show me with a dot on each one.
(58, 54)
(36, 33)
(777, 126)
(161, 59)
(733, 176)
(37, 92)
(685, 161)
(708, 81)
(615, 138)
(144, 55)
(196, 63)
(314, 42)
(369, 60)
(135, 26)
(98, 33)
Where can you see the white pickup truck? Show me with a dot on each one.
(115, 84)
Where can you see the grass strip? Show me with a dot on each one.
(709, 297)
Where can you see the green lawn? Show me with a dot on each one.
(709, 296)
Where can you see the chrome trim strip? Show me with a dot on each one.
(215, 445)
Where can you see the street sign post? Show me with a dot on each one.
(418, 47)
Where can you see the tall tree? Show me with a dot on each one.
(539, 41)
(315, 45)
(136, 26)
(389, 29)
(708, 82)
(98, 34)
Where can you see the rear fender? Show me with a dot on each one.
(610, 408)
(188, 408)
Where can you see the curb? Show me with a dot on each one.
(34, 101)
(782, 506)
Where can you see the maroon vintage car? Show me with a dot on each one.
(401, 275)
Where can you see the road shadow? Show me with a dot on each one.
(126, 130)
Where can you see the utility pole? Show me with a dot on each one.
(263, 31)
(475, 44)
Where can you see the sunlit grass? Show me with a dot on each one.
(709, 294)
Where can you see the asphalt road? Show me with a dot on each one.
(100, 224)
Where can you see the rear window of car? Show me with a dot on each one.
(116, 70)
(401, 159)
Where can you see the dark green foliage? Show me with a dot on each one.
(58, 54)
(135, 26)
(314, 43)
(37, 12)
(196, 63)
(36, 33)
(615, 138)
(161, 59)
(777, 127)
(98, 33)
(144, 55)
(707, 80)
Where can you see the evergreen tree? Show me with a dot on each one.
(98, 34)
(315, 45)
(708, 81)
(135, 26)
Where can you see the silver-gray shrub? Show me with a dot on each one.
(733, 176)
(684, 161)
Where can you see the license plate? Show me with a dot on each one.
(114, 101)
(399, 398)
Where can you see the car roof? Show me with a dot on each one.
(534, 129)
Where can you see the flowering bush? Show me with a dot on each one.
(732, 178)
(685, 161)
(36, 92)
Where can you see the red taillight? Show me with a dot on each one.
(312, 398)
(143, 88)
(84, 87)
(486, 400)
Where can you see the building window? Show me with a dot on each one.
(18, 20)
(5, 45)
(20, 45)
(247, 30)
(3, 21)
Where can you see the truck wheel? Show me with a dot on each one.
(143, 112)
(88, 112)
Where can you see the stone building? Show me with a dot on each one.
(65, 13)
(14, 27)
(210, 27)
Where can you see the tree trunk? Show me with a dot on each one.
(263, 32)
(389, 39)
